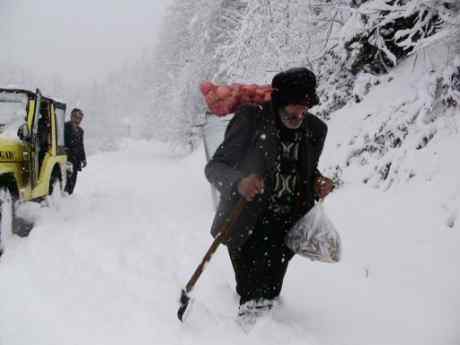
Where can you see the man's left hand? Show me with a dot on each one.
(323, 186)
(83, 164)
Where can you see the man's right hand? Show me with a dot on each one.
(250, 186)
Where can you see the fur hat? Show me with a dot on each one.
(294, 86)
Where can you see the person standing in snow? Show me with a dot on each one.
(73, 138)
(269, 156)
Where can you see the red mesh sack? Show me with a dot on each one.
(225, 99)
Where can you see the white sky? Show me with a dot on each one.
(77, 40)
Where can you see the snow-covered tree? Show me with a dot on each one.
(382, 32)
(271, 36)
(184, 57)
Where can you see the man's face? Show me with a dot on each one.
(292, 115)
(76, 118)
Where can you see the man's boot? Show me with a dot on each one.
(251, 311)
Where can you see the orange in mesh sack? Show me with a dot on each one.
(225, 99)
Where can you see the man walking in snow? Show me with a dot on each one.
(73, 137)
(269, 156)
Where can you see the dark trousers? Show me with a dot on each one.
(261, 264)
(71, 180)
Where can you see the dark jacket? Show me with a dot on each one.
(73, 138)
(44, 134)
(251, 145)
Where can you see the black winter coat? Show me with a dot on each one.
(251, 146)
(73, 138)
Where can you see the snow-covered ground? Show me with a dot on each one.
(106, 265)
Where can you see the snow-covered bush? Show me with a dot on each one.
(448, 85)
(336, 83)
(377, 35)
(386, 31)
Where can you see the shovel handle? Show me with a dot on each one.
(224, 234)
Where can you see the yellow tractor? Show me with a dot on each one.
(33, 159)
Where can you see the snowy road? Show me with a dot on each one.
(106, 265)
